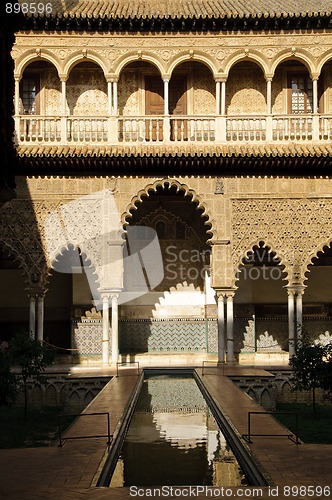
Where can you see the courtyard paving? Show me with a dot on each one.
(71, 471)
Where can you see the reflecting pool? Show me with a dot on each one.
(173, 439)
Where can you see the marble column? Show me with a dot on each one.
(32, 316)
(299, 319)
(105, 339)
(40, 317)
(115, 328)
(230, 327)
(221, 327)
(115, 98)
(166, 96)
(291, 322)
(217, 97)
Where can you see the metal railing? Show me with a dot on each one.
(62, 439)
(291, 436)
(121, 363)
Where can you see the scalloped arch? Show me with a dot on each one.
(270, 247)
(30, 56)
(180, 187)
(59, 252)
(314, 254)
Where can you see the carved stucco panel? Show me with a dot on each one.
(294, 228)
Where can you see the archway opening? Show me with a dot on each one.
(174, 315)
(72, 322)
(261, 316)
(14, 301)
(317, 297)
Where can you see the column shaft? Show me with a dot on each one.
(40, 318)
(115, 328)
(268, 96)
(166, 97)
(223, 98)
(221, 327)
(115, 98)
(105, 340)
(32, 316)
(291, 323)
(230, 329)
(217, 98)
(299, 315)
(110, 97)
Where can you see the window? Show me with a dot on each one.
(30, 94)
(301, 96)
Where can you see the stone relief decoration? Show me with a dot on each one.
(87, 92)
(51, 86)
(204, 92)
(246, 90)
(293, 228)
(249, 337)
(181, 188)
(128, 93)
(20, 231)
(324, 339)
(267, 342)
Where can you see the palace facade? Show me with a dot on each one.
(208, 122)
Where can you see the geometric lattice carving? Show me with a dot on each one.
(293, 228)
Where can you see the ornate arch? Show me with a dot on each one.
(31, 56)
(324, 58)
(78, 57)
(133, 57)
(180, 187)
(83, 258)
(296, 54)
(270, 247)
(241, 55)
(197, 56)
(314, 254)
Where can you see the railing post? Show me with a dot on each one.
(315, 128)
(220, 124)
(167, 129)
(269, 128)
(112, 132)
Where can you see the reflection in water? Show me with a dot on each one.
(173, 439)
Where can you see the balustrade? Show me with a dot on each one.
(172, 129)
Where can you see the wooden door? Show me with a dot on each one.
(178, 106)
(154, 105)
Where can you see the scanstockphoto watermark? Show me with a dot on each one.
(183, 264)
(313, 491)
(86, 236)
